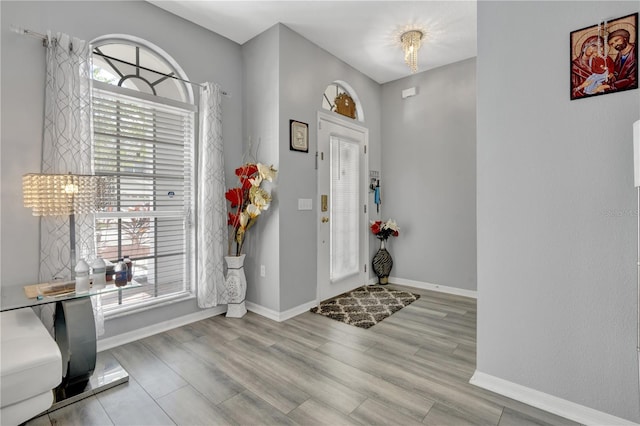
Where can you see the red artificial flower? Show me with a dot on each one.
(246, 184)
(235, 196)
(246, 202)
(396, 233)
(375, 227)
(234, 220)
(247, 170)
(245, 173)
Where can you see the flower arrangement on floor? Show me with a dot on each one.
(383, 230)
(247, 201)
(382, 261)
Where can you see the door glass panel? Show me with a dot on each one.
(345, 195)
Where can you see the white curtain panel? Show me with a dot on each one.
(212, 206)
(66, 147)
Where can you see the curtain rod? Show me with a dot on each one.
(44, 39)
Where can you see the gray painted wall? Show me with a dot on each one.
(428, 176)
(203, 55)
(305, 72)
(556, 212)
(285, 77)
(260, 108)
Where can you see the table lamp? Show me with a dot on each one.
(66, 194)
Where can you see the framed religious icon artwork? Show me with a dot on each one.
(299, 136)
(604, 57)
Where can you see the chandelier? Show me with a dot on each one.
(411, 44)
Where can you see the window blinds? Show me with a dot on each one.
(147, 146)
(345, 196)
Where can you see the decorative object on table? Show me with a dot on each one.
(604, 57)
(82, 276)
(120, 273)
(382, 261)
(127, 261)
(365, 306)
(109, 269)
(98, 273)
(247, 202)
(50, 289)
(298, 136)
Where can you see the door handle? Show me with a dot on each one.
(324, 219)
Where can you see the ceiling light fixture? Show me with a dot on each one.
(411, 41)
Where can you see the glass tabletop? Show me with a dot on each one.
(15, 297)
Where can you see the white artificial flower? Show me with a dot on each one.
(260, 198)
(391, 224)
(244, 219)
(267, 172)
(253, 210)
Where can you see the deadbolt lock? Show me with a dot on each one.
(324, 219)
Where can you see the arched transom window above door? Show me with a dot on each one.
(341, 98)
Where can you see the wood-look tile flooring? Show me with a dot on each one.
(412, 368)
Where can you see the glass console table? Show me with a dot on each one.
(84, 372)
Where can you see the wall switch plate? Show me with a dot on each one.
(305, 204)
(263, 271)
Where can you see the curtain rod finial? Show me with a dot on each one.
(18, 30)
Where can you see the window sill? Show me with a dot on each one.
(148, 305)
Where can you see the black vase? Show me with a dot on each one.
(382, 264)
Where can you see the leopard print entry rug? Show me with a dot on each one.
(365, 306)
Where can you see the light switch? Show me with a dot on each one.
(305, 204)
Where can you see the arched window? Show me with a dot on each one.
(341, 98)
(137, 65)
(143, 130)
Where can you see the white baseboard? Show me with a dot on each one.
(261, 310)
(280, 316)
(552, 404)
(124, 338)
(141, 333)
(434, 287)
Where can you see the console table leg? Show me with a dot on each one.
(76, 338)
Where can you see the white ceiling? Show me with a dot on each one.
(364, 34)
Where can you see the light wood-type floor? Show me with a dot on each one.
(412, 368)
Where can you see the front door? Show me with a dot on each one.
(342, 196)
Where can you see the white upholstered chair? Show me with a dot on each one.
(30, 366)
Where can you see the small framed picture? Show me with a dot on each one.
(604, 57)
(299, 136)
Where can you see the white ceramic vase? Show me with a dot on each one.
(236, 285)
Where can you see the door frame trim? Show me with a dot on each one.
(333, 118)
